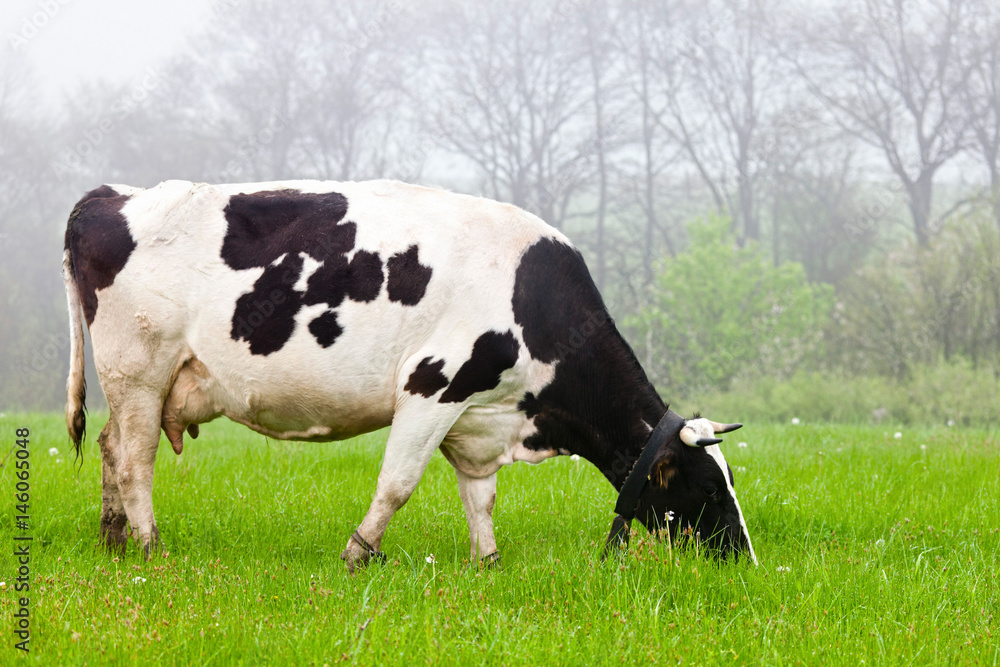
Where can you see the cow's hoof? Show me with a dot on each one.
(114, 532)
(114, 542)
(352, 560)
(491, 562)
(359, 553)
(150, 545)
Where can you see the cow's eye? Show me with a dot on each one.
(710, 490)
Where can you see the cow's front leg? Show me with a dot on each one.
(416, 432)
(114, 534)
(478, 496)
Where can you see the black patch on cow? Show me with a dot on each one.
(325, 328)
(364, 276)
(263, 226)
(427, 378)
(99, 244)
(265, 316)
(360, 279)
(492, 354)
(599, 404)
(408, 278)
(102, 192)
(554, 299)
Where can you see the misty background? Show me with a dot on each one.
(792, 208)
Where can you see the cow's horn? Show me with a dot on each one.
(724, 428)
(689, 437)
(705, 442)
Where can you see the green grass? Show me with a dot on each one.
(873, 549)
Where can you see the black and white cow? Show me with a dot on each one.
(319, 311)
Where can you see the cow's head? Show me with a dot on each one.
(690, 488)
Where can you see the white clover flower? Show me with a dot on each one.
(431, 559)
(742, 445)
(951, 422)
(53, 451)
(741, 468)
(574, 457)
(923, 447)
(898, 435)
(782, 568)
(139, 580)
(795, 421)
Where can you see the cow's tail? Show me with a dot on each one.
(76, 384)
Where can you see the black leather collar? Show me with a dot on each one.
(628, 498)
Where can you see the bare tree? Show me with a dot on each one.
(892, 75)
(637, 38)
(597, 16)
(508, 93)
(286, 91)
(981, 97)
(718, 71)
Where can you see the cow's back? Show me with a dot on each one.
(306, 305)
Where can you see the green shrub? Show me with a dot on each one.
(719, 312)
(921, 304)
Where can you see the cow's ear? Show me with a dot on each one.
(664, 468)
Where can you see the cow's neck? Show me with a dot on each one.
(600, 405)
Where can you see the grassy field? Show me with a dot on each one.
(874, 549)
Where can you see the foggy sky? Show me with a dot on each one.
(67, 42)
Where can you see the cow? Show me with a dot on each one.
(318, 311)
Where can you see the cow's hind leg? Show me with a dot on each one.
(139, 428)
(114, 533)
(478, 496)
(417, 430)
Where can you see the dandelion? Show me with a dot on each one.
(3, 584)
(742, 445)
(897, 435)
(430, 559)
(795, 421)
(923, 448)
(951, 422)
(53, 451)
